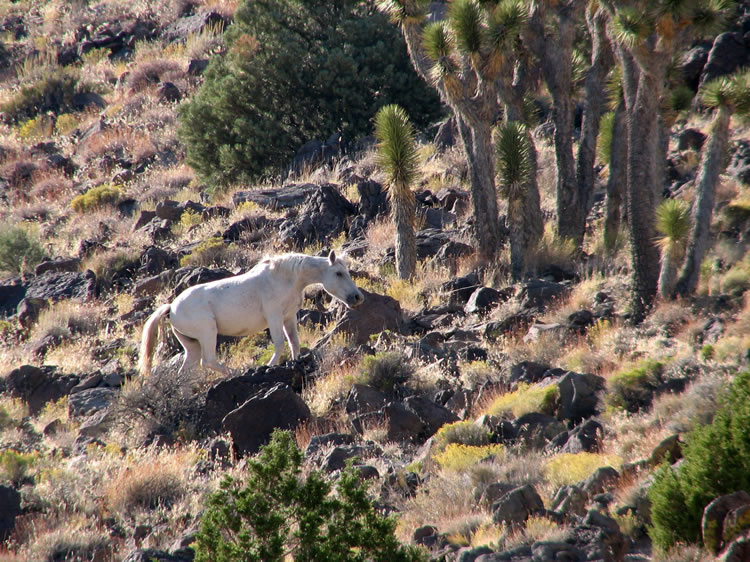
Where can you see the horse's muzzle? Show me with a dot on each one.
(355, 299)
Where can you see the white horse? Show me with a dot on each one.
(267, 296)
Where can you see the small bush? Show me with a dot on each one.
(458, 457)
(737, 280)
(52, 92)
(633, 389)
(526, 399)
(461, 432)
(715, 461)
(384, 371)
(15, 465)
(571, 468)
(145, 487)
(279, 515)
(19, 250)
(207, 253)
(96, 198)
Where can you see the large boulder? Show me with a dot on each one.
(376, 314)
(579, 396)
(61, 285)
(326, 214)
(12, 292)
(10, 502)
(728, 53)
(432, 414)
(515, 507)
(251, 425)
(723, 519)
(39, 385)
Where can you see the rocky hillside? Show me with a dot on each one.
(493, 419)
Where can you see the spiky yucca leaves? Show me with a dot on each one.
(466, 19)
(397, 156)
(673, 223)
(505, 23)
(514, 165)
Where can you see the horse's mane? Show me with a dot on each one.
(291, 262)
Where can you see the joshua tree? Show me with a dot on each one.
(647, 36)
(473, 59)
(673, 223)
(397, 155)
(727, 95)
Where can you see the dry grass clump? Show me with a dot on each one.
(535, 529)
(145, 486)
(68, 318)
(75, 538)
(150, 73)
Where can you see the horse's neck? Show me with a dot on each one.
(311, 271)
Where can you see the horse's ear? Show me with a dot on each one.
(332, 257)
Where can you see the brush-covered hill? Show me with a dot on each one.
(493, 417)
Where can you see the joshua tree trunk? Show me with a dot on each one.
(711, 166)
(618, 161)
(406, 242)
(594, 105)
(668, 274)
(477, 142)
(642, 189)
(555, 51)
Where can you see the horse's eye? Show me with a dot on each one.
(339, 274)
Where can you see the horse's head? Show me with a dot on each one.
(338, 283)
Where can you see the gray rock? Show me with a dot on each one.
(376, 314)
(433, 415)
(63, 285)
(482, 300)
(579, 396)
(517, 505)
(363, 399)
(90, 401)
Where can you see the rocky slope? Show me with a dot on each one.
(496, 421)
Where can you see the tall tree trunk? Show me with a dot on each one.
(555, 50)
(406, 242)
(618, 163)
(477, 142)
(641, 189)
(594, 105)
(711, 166)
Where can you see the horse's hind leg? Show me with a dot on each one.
(290, 328)
(277, 337)
(192, 350)
(207, 341)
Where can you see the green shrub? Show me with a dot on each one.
(295, 71)
(206, 253)
(715, 461)
(15, 465)
(52, 92)
(461, 432)
(525, 399)
(19, 250)
(279, 515)
(633, 389)
(96, 198)
(384, 371)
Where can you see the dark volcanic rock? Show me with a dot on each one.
(252, 423)
(39, 385)
(10, 500)
(63, 285)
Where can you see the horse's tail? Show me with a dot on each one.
(150, 337)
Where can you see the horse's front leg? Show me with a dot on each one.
(290, 328)
(277, 337)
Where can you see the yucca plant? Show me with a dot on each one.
(673, 224)
(727, 96)
(397, 156)
(513, 151)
